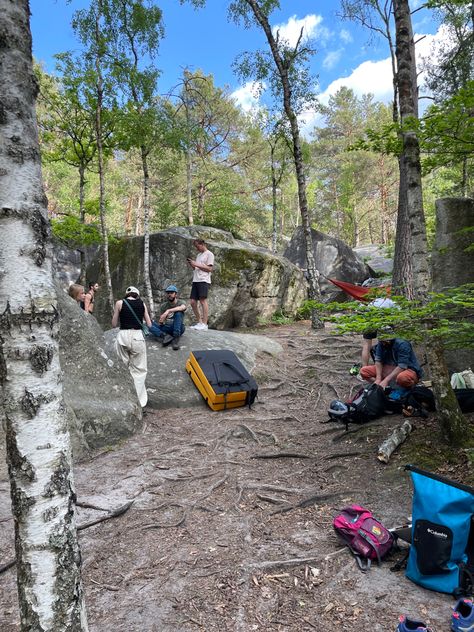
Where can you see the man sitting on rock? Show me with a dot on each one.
(396, 361)
(170, 326)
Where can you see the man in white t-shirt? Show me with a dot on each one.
(202, 267)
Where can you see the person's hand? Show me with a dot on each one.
(378, 381)
(384, 383)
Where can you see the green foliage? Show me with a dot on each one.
(70, 231)
(445, 316)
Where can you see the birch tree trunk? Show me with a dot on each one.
(38, 448)
(82, 217)
(146, 230)
(282, 69)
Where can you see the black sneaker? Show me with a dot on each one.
(175, 343)
(167, 339)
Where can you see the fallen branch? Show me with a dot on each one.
(296, 561)
(392, 442)
(342, 455)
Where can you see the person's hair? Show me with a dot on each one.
(75, 290)
(91, 285)
(199, 242)
(134, 294)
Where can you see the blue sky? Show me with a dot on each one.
(204, 39)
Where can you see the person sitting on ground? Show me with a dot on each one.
(396, 361)
(170, 326)
(89, 297)
(130, 345)
(76, 292)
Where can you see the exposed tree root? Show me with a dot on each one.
(307, 502)
(282, 455)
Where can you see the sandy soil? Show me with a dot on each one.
(230, 528)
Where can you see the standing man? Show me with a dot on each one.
(170, 326)
(202, 267)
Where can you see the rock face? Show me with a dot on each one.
(451, 264)
(333, 258)
(376, 258)
(168, 384)
(99, 394)
(248, 283)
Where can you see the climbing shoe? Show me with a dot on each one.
(354, 370)
(167, 339)
(409, 625)
(462, 619)
(175, 343)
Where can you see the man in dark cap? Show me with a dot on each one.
(170, 326)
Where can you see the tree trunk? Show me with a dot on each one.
(100, 157)
(38, 447)
(313, 273)
(146, 231)
(274, 200)
(453, 424)
(408, 99)
(402, 266)
(82, 217)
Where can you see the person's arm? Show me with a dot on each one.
(146, 316)
(115, 317)
(391, 376)
(88, 304)
(378, 372)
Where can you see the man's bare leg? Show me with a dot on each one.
(204, 309)
(195, 307)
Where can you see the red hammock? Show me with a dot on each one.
(357, 291)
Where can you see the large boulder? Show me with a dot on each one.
(168, 384)
(452, 259)
(248, 282)
(376, 257)
(333, 259)
(99, 394)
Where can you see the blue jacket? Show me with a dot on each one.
(399, 353)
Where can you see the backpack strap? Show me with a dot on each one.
(370, 543)
(364, 563)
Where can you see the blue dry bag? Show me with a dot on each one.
(442, 548)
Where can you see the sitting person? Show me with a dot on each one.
(170, 326)
(396, 361)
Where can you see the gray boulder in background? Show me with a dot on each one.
(168, 384)
(248, 282)
(98, 390)
(376, 258)
(452, 262)
(333, 258)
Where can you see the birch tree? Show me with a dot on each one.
(38, 447)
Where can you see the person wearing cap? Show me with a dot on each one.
(170, 325)
(129, 314)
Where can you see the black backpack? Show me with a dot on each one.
(369, 403)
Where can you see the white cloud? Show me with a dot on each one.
(332, 58)
(247, 97)
(345, 36)
(311, 25)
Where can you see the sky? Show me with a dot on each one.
(205, 39)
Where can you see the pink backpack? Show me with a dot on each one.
(365, 536)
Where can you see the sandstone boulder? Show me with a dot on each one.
(376, 257)
(168, 384)
(100, 396)
(452, 261)
(333, 259)
(248, 282)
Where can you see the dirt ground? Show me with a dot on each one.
(231, 524)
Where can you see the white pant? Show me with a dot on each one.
(131, 349)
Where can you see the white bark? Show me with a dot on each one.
(38, 448)
(391, 443)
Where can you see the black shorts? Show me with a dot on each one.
(199, 289)
(369, 335)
